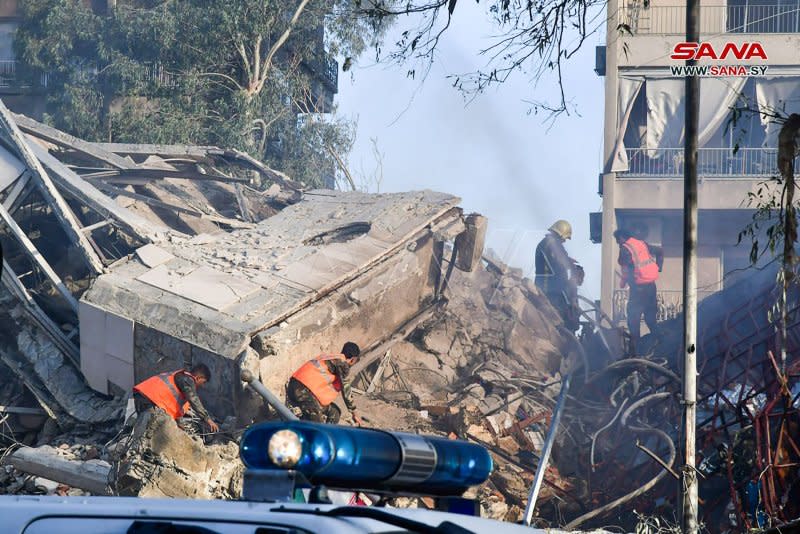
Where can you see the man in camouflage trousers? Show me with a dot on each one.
(316, 384)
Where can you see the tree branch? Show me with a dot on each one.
(535, 36)
(279, 43)
(223, 76)
(245, 61)
(342, 166)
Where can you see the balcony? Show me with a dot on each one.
(711, 162)
(671, 20)
(670, 304)
(9, 79)
(326, 69)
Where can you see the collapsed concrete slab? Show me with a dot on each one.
(182, 263)
(243, 299)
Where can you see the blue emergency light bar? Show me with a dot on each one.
(359, 458)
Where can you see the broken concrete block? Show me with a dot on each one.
(500, 422)
(480, 433)
(508, 444)
(164, 461)
(493, 426)
(469, 243)
(511, 485)
(435, 410)
(46, 485)
(514, 515)
(535, 438)
(437, 341)
(461, 418)
(494, 509)
(539, 354)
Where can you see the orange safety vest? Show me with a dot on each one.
(162, 391)
(645, 269)
(315, 375)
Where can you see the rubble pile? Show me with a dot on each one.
(14, 482)
(165, 257)
(159, 459)
(484, 368)
(17, 478)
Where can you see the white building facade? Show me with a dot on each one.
(641, 182)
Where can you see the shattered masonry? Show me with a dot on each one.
(126, 260)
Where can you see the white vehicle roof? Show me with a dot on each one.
(116, 515)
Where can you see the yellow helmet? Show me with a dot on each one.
(562, 228)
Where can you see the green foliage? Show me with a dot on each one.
(765, 230)
(241, 73)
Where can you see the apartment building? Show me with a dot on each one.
(641, 182)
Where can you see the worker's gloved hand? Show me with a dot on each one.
(356, 418)
(212, 425)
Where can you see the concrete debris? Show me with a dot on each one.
(163, 460)
(178, 255)
(460, 368)
(32, 356)
(90, 475)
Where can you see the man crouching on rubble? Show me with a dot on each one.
(174, 393)
(315, 385)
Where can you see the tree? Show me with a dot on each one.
(533, 37)
(248, 74)
(775, 218)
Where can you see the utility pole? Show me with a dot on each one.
(689, 478)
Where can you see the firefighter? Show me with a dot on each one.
(640, 264)
(557, 274)
(315, 385)
(174, 393)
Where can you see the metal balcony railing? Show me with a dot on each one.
(671, 20)
(670, 304)
(721, 162)
(9, 79)
(154, 74)
(326, 69)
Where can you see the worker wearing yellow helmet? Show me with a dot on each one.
(557, 274)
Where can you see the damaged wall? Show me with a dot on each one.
(157, 352)
(363, 311)
(491, 352)
(332, 267)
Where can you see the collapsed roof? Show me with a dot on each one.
(207, 246)
(218, 290)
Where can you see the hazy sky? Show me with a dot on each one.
(511, 166)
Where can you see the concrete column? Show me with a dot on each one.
(608, 256)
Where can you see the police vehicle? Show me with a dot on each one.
(289, 465)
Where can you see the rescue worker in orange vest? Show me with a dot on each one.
(174, 393)
(640, 265)
(315, 385)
